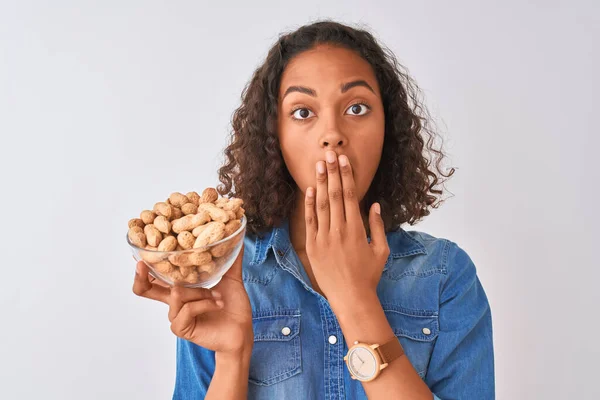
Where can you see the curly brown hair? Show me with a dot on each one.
(404, 183)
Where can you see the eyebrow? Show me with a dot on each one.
(343, 88)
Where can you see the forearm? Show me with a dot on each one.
(230, 380)
(366, 322)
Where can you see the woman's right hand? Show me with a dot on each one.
(197, 316)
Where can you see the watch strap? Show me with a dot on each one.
(390, 351)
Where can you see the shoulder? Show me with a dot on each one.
(456, 264)
(444, 255)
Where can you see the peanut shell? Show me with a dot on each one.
(136, 222)
(153, 235)
(178, 199)
(147, 216)
(209, 195)
(214, 232)
(193, 197)
(186, 240)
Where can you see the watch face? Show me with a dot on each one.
(362, 363)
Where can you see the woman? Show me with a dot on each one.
(329, 155)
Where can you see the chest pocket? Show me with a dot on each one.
(417, 331)
(276, 352)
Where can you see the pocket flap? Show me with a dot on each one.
(282, 325)
(415, 324)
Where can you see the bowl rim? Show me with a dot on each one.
(244, 220)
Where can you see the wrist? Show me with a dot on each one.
(229, 359)
(355, 307)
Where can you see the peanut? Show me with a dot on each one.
(136, 222)
(208, 268)
(232, 226)
(136, 237)
(185, 271)
(150, 256)
(198, 229)
(223, 249)
(147, 216)
(169, 243)
(221, 202)
(178, 200)
(189, 208)
(162, 224)
(153, 235)
(240, 213)
(176, 275)
(216, 214)
(194, 198)
(164, 209)
(188, 259)
(189, 222)
(192, 277)
(214, 231)
(209, 195)
(186, 240)
(233, 205)
(136, 229)
(177, 213)
(164, 267)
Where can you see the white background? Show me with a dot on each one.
(108, 106)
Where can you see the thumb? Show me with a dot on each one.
(377, 227)
(235, 271)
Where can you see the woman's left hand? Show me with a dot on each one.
(344, 263)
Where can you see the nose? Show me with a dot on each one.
(331, 141)
(332, 137)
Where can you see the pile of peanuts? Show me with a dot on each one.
(187, 222)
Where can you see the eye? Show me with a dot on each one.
(356, 108)
(302, 115)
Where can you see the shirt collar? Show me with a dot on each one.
(277, 239)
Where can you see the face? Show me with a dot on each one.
(329, 99)
(362, 363)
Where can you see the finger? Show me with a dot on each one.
(310, 217)
(144, 288)
(351, 206)
(185, 321)
(181, 295)
(334, 189)
(322, 199)
(378, 242)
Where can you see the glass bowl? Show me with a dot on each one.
(202, 267)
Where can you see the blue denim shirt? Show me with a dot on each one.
(431, 296)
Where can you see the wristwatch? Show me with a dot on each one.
(365, 361)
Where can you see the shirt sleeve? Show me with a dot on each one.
(462, 361)
(194, 371)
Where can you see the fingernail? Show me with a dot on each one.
(216, 294)
(377, 208)
(219, 303)
(343, 161)
(330, 156)
(321, 167)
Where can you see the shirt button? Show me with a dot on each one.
(280, 253)
(286, 331)
(332, 339)
(427, 331)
